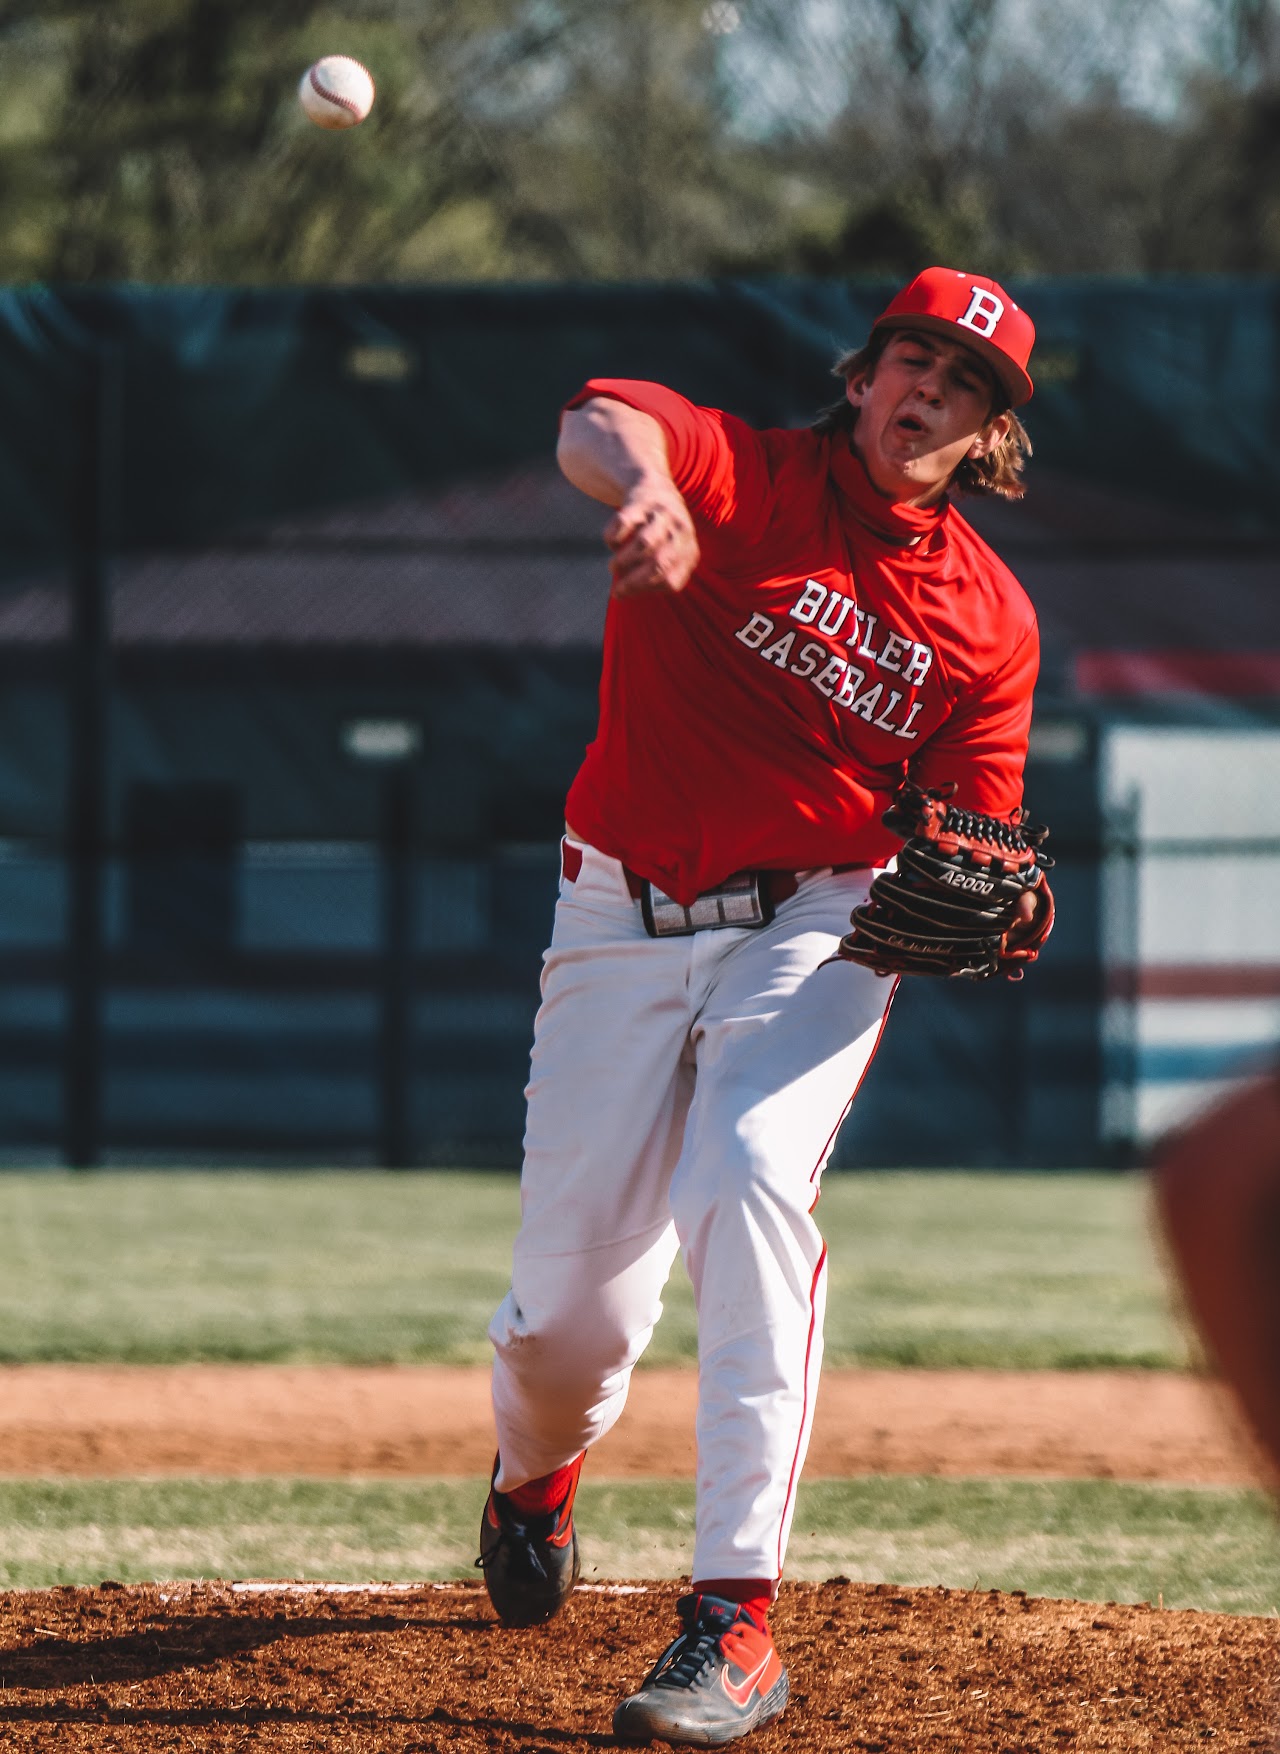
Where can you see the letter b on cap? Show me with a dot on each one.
(984, 313)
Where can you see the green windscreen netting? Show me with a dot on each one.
(309, 511)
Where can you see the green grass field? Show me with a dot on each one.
(1092, 1540)
(1008, 1271)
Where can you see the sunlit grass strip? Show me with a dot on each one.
(1006, 1271)
(1204, 1548)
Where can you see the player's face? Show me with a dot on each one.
(925, 408)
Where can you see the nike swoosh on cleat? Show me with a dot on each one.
(741, 1691)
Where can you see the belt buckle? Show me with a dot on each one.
(741, 901)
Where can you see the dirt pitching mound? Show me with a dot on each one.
(426, 1669)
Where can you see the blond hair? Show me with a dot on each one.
(998, 473)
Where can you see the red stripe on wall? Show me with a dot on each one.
(1247, 980)
(1177, 672)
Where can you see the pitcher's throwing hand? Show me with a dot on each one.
(652, 540)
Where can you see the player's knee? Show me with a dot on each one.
(751, 1209)
(570, 1335)
(749, 1170)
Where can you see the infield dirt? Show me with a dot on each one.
(418, 1420)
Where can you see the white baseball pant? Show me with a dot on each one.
(684, 1092)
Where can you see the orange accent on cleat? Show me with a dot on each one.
(721, 1679)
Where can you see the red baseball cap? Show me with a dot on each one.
(974, 311)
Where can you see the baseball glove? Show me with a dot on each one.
(969, 896)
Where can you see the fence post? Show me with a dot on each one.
(93, 496)
(389, 748)
(397, 966)
(1122, 886)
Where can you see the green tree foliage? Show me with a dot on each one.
(528, 139)
(1102, 139)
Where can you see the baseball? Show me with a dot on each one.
(337, 92)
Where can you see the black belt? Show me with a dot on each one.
(778, 886)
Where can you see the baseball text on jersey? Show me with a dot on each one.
(853, 687)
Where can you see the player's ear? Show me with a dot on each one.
(992, 436)
(856, 388)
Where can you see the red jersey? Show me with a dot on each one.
(828, 643)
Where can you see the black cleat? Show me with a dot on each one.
(530, 1563)
(719, 1680)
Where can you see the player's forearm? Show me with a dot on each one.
(608, 450)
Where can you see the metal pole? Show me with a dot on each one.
(397, 969)
(88, 704)
(1018, 1072)
(1124, 855)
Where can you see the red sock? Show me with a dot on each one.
(755, 1594)
(547, 1493)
